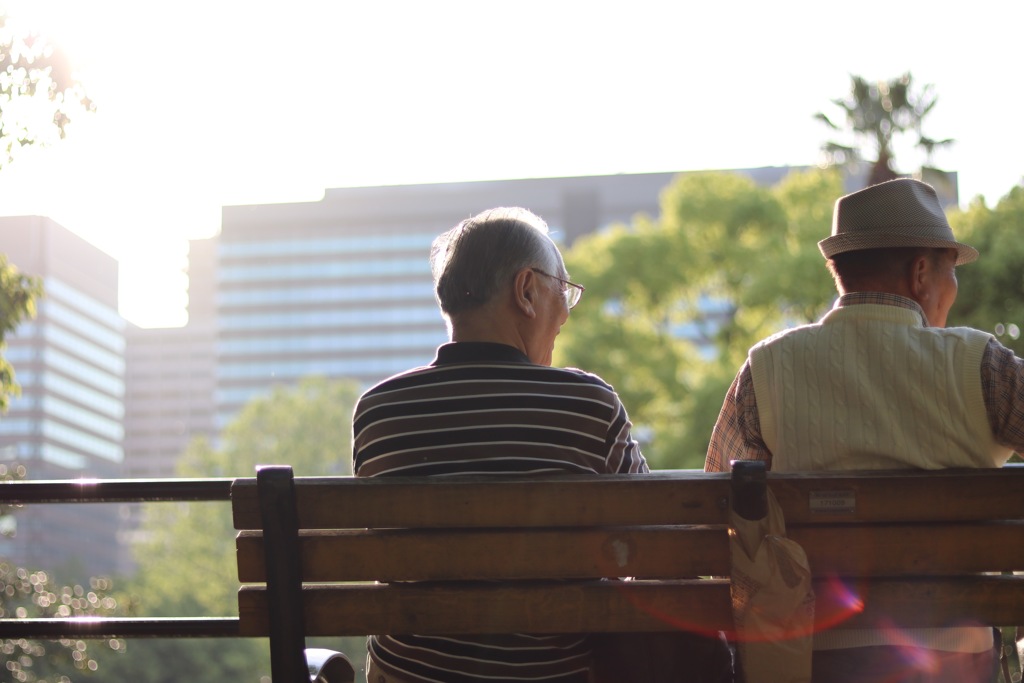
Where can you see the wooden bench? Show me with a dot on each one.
(908, 546)
(903, 546)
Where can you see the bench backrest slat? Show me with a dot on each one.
(642, 606)
(912, 549)
(900, 496)
(506, 608)
(669, 497)
(469, 501)
(642, 552)
(406, 555)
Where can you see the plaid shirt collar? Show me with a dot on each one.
(880, 298)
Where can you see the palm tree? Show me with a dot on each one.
(875, 114)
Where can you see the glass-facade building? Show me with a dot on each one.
(68, 422)
(328, 296)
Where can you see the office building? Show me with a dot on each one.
(68, 422)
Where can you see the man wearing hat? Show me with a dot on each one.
(881, 383)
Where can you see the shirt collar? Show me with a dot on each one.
(880, 298)
(478, 352)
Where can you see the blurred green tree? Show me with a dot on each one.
(991, 295)
(39, 94)
(37, 595)
(876, 114)
(18, 293)
(674, 303)
(187, 563)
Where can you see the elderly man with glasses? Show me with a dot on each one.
(490, 402)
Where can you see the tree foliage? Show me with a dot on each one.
(673, 303)
(877, 114)
(18, 293)
(991, 295)
(307, 426)
(26, 594)
(39, 93)
(187, 563)
(36, 595)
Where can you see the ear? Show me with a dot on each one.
(525, 292)
(919, 274)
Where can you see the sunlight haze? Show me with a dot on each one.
(205, 104)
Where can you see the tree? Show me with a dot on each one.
(36, 595)
(877, 114)
(991, 293)
(38, 96)
(308, 427)
(39, 93)
(673, 303)
(18, 293)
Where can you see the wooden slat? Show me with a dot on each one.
(518, 501)
(920, 601)
(400, 555)
(642, 606)
(668, 497)
(502, 608)
(912, 549)
(903, 496)
(643, 552)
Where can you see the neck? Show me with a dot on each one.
(484, 325)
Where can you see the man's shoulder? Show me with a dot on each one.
(969, 333)
(397, 379)
(788, 333)
(579, 376)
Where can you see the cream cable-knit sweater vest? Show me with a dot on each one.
(869, 387)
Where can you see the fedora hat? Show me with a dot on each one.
(897, 213)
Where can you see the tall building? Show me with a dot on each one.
(68, 422)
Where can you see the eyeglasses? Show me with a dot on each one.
(572, 291)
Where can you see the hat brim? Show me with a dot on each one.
(838, 244)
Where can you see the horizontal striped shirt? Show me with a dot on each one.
(483, 408)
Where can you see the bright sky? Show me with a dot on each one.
(203, 103)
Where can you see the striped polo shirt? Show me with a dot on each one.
(485, 408)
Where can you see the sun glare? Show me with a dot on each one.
(204, 104)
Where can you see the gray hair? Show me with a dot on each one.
(476, 258)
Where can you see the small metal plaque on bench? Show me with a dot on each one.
(833, 502)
